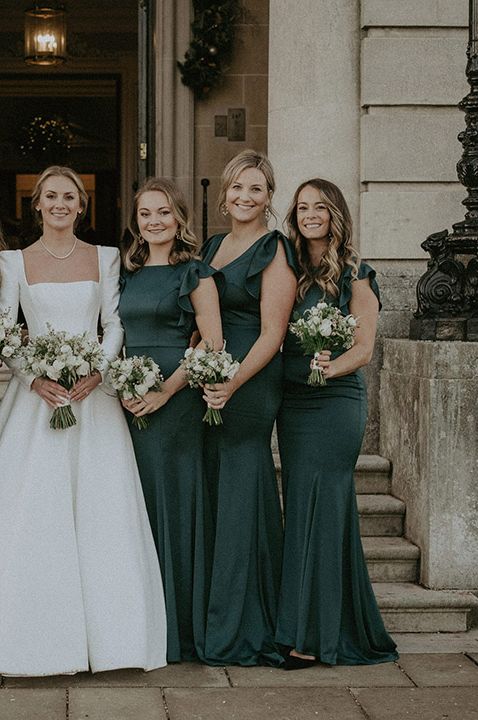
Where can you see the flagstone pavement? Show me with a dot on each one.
(436, 678)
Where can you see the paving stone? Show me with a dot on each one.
(32, 704)
(419, 703)
(437, 642)
(176, 675)
(253, 703)
(451, 670)
(116, 704)
(383, 675)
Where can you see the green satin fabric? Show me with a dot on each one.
(158, 319)
(327, 607)
(247, 556)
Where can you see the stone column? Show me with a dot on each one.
(174, 101)
(314, 104)
(428, 429)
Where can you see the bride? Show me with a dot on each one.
(80, 585)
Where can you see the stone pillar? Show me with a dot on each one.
(174, 101)
(314, 104)
(428, 429)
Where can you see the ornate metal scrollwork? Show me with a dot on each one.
(447, 293)
(440, 290)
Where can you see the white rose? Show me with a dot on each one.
(7, 351)
(127, 395)
(58, 364)
(53, 374)
(2, 333)
(321, 306)
(325, 328)
(141, 389)
(351, 321)
(83, 369)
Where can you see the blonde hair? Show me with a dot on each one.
(59, 171)
(244, 160)
(185, 247)
(340, 251)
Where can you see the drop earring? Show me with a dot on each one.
(267, 214)
(224, 209)
(178, 235)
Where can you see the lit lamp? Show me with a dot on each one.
(45, 35)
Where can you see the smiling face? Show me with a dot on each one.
(313, 216)
(247, 196)
(59, 203)
(156, 222)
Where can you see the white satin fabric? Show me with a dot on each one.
(80, 585)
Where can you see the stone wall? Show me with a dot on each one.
(244, 86)
(412, 77)
(428, 430)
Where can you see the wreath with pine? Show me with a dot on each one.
(211, 45)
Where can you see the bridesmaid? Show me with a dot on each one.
(327, 609)
(258, 296)
(166, 292)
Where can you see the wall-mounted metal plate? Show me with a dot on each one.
(220, 125)
(236, 124)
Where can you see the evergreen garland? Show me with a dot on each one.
(211, 44)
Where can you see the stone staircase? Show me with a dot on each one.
(394, 562)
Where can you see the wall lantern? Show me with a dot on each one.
(45, 34)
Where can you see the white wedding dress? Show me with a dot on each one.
(80, 585)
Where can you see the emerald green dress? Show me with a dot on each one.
(158, 319)
(242, 485)
(327, 607)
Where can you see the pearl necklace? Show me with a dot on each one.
(59, 257)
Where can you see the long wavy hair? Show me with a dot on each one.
(3, 244)
(242, 161)
(185, 247)
(59, 171)
(340, 251)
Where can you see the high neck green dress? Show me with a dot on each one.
(241, 479)
(158, 319)
(327, 607)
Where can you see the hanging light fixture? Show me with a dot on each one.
(45, 34)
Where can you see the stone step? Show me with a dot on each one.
(380, 515)
(372, 474)
(408, 607)
(391, 559)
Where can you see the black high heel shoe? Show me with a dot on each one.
(292, 662)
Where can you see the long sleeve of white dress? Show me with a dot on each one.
(10, 269)
(109, 317)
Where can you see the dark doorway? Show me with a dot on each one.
(69, 120)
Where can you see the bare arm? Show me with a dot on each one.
(277, 298)
(205, 302)
(363, 305)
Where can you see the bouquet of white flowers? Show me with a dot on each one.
(323, 327)
(209, 366)
(10, 336)
(65, 359)
(133, 377)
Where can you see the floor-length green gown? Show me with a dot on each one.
(241, 479)
(327, 607)
(158, 319)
